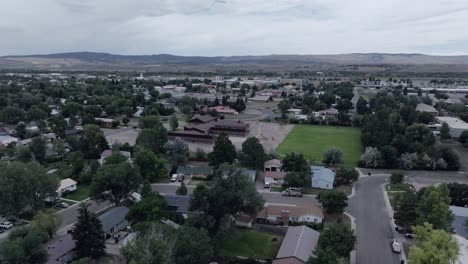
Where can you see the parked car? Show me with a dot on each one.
(181, 178)
(174, 178)
(135, 197)
(410, 235)
(292, 192)
(395, 245)
(6, 225)
(267, 185)
(62, 205)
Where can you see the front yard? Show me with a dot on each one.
(81, 193)
(342, 188)
(250, 243)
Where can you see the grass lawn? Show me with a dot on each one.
(249, 243)
(313, 140)
(81, 193)
(397, 187)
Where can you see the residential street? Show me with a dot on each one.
(372, 222)
(170, 188)
(69, 215)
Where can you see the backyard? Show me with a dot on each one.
(312, 141)
(81, 193)
(249, 243)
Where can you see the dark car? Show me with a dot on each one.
(181, 178)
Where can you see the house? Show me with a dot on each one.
(298, 245)
(251, 174)
(260, 98)
(456, 125)
(427, 109)
(194, 171)
(60, 249)
(322, 177)
(202, 119)
(282, 213)
(66, 186)
(107, 153)
(71, 133)
(274, 178)
(328, 112)
(6, 140)
(191, 136)
(294, 112)
(215, 127)
(460, 218)
(273, 165)
(178, 203)
(114, 220)
(105, 122)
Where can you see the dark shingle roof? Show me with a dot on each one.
(113, 217)
(182, 202)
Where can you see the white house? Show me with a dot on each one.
(273, 165)
(274, 178)
(285, 213)
(107, 153)
(66, 185)
(322, 178)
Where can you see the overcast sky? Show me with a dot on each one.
(234, 27)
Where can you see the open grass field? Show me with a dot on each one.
(249, 243)
(312, 141)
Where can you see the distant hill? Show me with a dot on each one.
(94, 60)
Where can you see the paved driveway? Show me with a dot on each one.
(372, 223)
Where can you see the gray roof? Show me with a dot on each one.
(113, 217)
(182, 202)
(426, 108)
(59, 246)
(322, 173)
(299, 242)
(249, 173)
(461, 215)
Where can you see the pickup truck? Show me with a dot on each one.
(292, 192)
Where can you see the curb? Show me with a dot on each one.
(353, 255)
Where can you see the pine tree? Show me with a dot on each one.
(173, 122)
(88, 235)
(445, 131)
(182, 190)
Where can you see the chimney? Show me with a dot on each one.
(285, 217)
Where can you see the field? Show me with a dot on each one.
(253, 244)
(312, 141)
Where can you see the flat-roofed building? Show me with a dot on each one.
(456, 125)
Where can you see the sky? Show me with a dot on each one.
(234, 27)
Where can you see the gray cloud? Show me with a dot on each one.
(233, 27)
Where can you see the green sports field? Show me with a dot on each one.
(312, 141)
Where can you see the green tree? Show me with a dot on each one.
(253, 153)
(361, 106)
(458, 193)
(333, 201)
(340, 238)
(324, 256)
(223, 151)
(92, 143)
(238, 195)
(433, 207)
(174, 124)
(346, 175)
(333, 156)
(151, 167)
(25, 246)
(294, 162)
(445, 131)
(152, 139)
(77, 163)
(48, 221)
(151, 208)
(193, 246)
(182, 190)
(434, 246)
(396, 177)
(12, 115)
(150, 121)
(297, 179)
(154, 246)
(283, 106)
(35, 114)
(113, 182)
(24, 154)
(38, 148)
(405, 212)
(464, 138)
(25, 185)
(88, 235)
(179, 152)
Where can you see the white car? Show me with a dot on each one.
(396, 246)
(6, 225)
(174, 177)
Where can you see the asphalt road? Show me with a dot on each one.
(170, 188)
(70, 215)
(373, 228)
